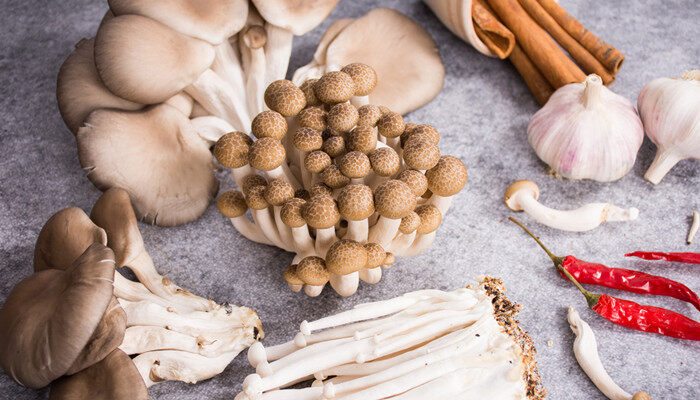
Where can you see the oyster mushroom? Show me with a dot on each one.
(317, 66)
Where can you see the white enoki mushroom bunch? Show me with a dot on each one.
(345, 188)
(424, 344)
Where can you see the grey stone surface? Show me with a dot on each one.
(481, 113)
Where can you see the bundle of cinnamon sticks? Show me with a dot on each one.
(533, 35)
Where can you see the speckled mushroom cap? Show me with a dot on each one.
(375, 255)
(394, 199)
(266, 154)
(232, 204)
(342, 117)
(332, 177)
(415, 179)
(334, 87)
(409, 223)
(391, 125)
(316, 161)
(448, 177)
(231, 150)
(256, 198)
(354, 164)
(385, 161)
(363, 75)
(284, 98)
(362, 138)
(307, 139)
(312, 117)
(356, 202)
(430, 218)
(320, 189)
(269, 124)
(369, 115)
(421, 154)
(517, 186)
(278, 191)
(345, 257)
(291, 212)
(250, 181)
(334, 146)
(290, 275)
(425, 132)
(254, 36)
(308, 88)
(312, 270)
(320, 212)
(389, 259)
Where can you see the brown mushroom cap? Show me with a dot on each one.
(299, 17)
(518, 186)
(114, 378)
(421, 154)
(320, 189)
(356, 202)
(269, 124)
(312, 117)
(342, 117)
(256, 198)
(391, 125)
(291, 212)
(354, 164)
(394, 199)
(345, 257)
(409, 223)
(363, 75)
(448, 177)
(231, 150)
(79, 90)
(308, 88)
(362, 138)
(320, 212)
(276, 86)
(369, 115)
(334, 146)
(290, 275)
(278, 191)
(144, 61)
(430, 218)
(232, 204)
(332, 177)
(385, 161)
(266, 154)
(285, 98)
(312, 270)
(50, 317)
(254, 36)
(334, 87)
(250, 181)
(641, 396)
(424, 132)
(389, 259)
(415, 179)
(316, 161)
(156, 156)
(307, 139)
(375, 255)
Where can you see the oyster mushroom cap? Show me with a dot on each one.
(79, 89)
(409, 69)
(299, 17)
(144, 61)
(447, 177)
(212, 21)
(51, 316)
(394, 199)
(345, 257)
(521, 186)
(312, 270)
(156, 156)
(113, 378)
(355, 202)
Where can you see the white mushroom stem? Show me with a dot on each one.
(254, 67)
(359, 101)
(324, 240)
(283, 172)
(211, 128)
(278, 51)
(693, 227)
(220, 99)
(581, 219)
(135, 291)
(371, 275)
(141, 339)
(313, 290)
(264, 219)
(227, 64)
(240, 173)
(345, 285)
(442, 203)
(357, 230)
(284, 231)
(173, 365)
(419, 245)
(248, 229)
(586, 352)
(303, 243)
(401, 243)
(384, 231)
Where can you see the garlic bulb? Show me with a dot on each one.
(585, 131)
(670, 110)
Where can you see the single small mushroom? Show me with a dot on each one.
(430, 219)
(365, 79)
(268, 155)
(385, 164)
(391, 125)
(295, 283)
(315, 162)
(342, 117)
(312, 270)
(421, 154)
(333, 177)
(522, 196)
(231, 150)
(334, 146)
(407, 233)
(306, 140)
(312, 117)
(369, 115)
(251, 42)
(233, 206)
(355, 165)
(334, 87)
(415, 180)
(446, 179)
(260, 211)
(321, 213)
(356, 205)
(393, 199)
(344, 260)
(276, 194)
(362, 138)
(269, 124)
(372, 272)
(292, 217)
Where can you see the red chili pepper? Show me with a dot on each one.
(691, 258)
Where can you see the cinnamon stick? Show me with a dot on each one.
(609, 56)
(579, 53)
(540, 48)
(499, 39)
(535, 81)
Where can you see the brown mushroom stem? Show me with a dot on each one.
(278, 51)
(211, 128)
(173, 365)
(220, 99)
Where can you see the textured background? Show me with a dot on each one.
(482, 114)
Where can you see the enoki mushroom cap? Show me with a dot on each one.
(332, 177)
(232, 204)
(345, 257)
(291, 212)
(363, 75)
(375, 255)
(307, 139)
(522, 186)
(269, 124)
(285, 98)
(290, 275)
(421, 154)
(266, 154)
(416, 180)
(448, 177)
(354, 164)
(320, 212)
(316, 161)
(334, 87)
(278, 191)
(231, 150)
(391, 125)
(430, 218)
(394, 199)
(409, 223)
(312, 117)
(369, 115)
(355, 202)
(312, 270)
(342, 117)
(362, 138)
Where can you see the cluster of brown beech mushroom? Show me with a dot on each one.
(76, 320)
(344, 184)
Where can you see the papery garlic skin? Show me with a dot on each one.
(586, 131)
(670, 111)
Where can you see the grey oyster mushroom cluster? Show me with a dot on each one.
(75, 322)
(162, 80)
(346, 185)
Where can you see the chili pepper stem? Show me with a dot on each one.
(591, 298)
